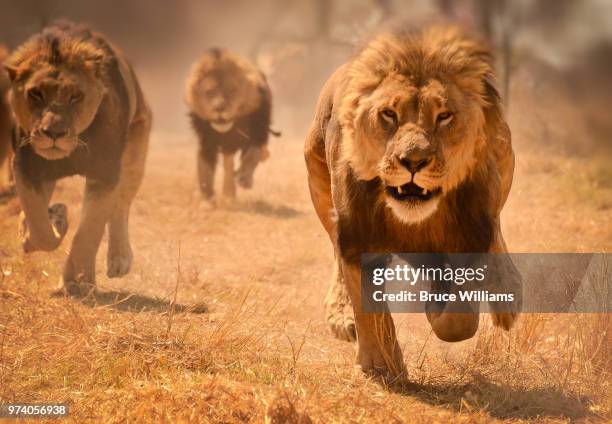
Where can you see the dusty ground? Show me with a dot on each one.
(246, 340)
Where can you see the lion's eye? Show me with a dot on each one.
(75, 98)
(444, 118)
(389, 116)
(36, 95)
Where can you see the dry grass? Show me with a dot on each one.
(231, 329)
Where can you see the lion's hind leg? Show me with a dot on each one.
(119, 259)
(507, 280)
(207, 162)
(338, 308)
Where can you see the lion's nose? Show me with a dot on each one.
(414, 164)
(54, 134)
(218, 103)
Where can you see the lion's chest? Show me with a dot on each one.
(367, 229)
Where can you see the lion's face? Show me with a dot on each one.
(54, 105)
(222, 90)
(420, 132)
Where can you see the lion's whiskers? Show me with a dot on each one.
(81, 143)
(25, 140)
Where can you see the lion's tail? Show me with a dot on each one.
(275, 133)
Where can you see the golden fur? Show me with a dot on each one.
(408, 152)
(79, 110)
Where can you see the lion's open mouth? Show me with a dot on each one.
(412, 193)
(222, 125)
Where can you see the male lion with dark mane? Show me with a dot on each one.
(408, 152)
(79, 110)
(230, 103)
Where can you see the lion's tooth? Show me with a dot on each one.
(399, 189)
(425, 191)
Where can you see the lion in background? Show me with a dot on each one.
(230, 109)
(6, 125)
(408, 152)
(79, 111)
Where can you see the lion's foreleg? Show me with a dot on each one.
(207, 162)
(378, 350)
(338, 308)
(229, 186)
(249, 160)
(80, 268)
(453, 320)
(119, 257)
(454, 323)
(43, 228)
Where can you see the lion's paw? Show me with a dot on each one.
(244, 179)
(372, 361)
(341, 321)
(79, 287)
(207, 204)
(119, 262)
(227, 201)
(58, 218)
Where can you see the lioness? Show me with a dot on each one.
(408, 152)
(5, 125)
(230, 103)
(79, 110)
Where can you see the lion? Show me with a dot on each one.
(6, 125)
(79, 110)
(408, 152)
(230, 109)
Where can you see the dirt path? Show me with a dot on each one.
(259, 270)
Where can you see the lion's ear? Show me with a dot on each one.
(98, 64)
(491, 92)
(97, 61)
(493, 107)
(12, 71)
